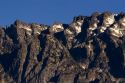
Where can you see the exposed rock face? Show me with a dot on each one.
(89, 50)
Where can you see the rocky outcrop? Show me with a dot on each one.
(88, 50)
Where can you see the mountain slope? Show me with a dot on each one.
(91, 49)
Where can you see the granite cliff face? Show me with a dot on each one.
(91, 49)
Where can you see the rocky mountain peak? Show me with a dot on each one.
(91, 49)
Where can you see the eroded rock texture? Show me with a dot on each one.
(88, 50)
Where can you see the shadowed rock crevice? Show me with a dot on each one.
(23, 80)
(116, 59)
(78, 54)
(7, 59)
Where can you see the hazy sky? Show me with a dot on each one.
(49, 11)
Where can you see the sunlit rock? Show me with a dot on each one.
(102, 29)
(57, 28)
(69, 32)
(37, 28)
(91, 49)
(108, 19)
(77, 26)
(116, 32)
(122, 21)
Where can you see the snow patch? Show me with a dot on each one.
(43, 28)
(92, 28)
(28, 29)
(115, 14)
(83, 66)
(29, 33)
(116, 32)
(25, 27)
(115, 25)
(123, 24)
(57, 28)
(102, 29)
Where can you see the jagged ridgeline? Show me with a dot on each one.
(91, 49)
